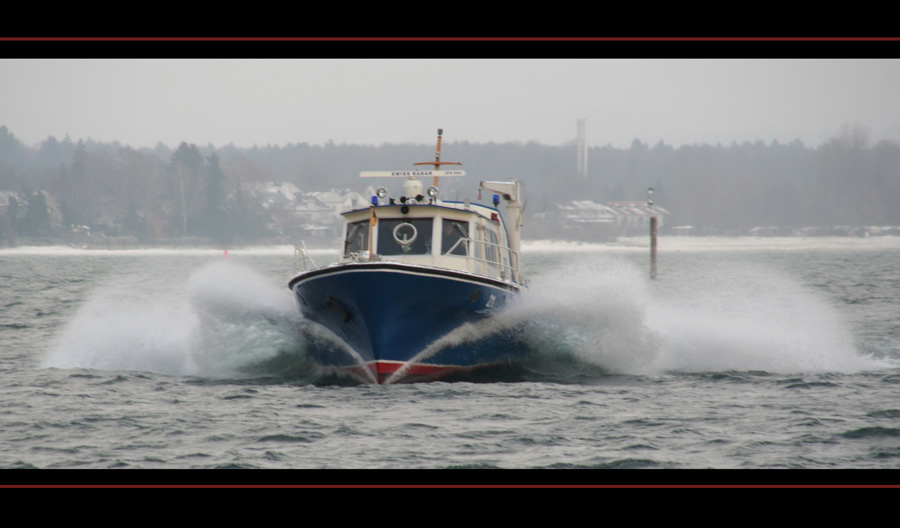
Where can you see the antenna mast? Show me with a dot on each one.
(437, 158)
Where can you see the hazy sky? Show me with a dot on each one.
(247, 102)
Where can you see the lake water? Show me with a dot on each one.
(744, 354)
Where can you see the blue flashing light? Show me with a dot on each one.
(496, 200)
(374, 200)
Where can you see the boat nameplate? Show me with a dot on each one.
(415, 173)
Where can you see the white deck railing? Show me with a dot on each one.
(301, 257)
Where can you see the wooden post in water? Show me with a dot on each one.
(653, 230)
(652, 247)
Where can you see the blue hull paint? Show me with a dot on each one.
(391, 315)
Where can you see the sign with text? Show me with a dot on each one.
(414, 173)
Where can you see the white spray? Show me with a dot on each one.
(606, 311)
(601, 311)
(224, 319)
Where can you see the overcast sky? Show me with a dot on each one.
(140, 102)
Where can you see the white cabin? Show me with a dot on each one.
(456, 236)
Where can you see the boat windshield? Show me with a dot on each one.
(357, 237)
(452, 231)
(405, 236)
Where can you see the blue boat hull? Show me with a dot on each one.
(404, 322)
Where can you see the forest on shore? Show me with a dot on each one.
(60, 186)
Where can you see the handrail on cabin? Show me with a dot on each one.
(301, 256)
(505, 268)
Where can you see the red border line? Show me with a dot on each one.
(454, 39)
(458, 486)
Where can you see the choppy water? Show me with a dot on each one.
(747, 354)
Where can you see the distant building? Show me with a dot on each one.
(6, 196)
(311, 210)
(298, 215)
(634, 217)
(593, 221)
(341, 200)
(586, 211)
(272, 194)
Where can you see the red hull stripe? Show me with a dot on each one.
(383, 370)
(389, 367)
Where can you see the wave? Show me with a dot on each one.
(592, 316)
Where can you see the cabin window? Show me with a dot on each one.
(404, 236)
(357, 237)
(451, 233)
(491, 251)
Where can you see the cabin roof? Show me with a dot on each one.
(473, 208)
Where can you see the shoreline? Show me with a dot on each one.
(622, 245)
(678, 244)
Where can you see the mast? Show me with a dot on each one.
(413, 186)
(437, 158)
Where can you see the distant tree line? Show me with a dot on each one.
(196, 191)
